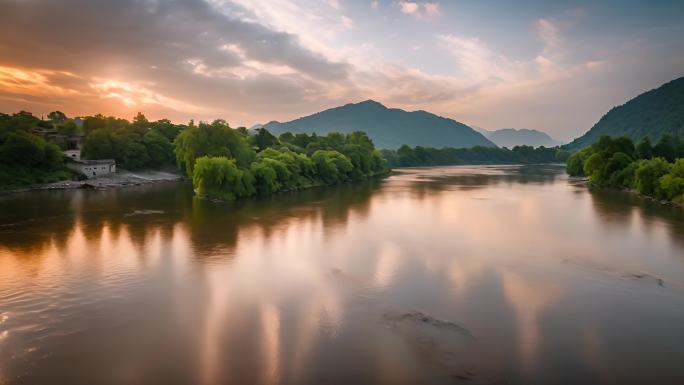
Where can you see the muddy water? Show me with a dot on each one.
(435, 275)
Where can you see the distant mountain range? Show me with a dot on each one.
(652, 114)
(387, 127)
(511, 137)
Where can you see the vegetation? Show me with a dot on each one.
(655, 171)
(652, 114)
(226, 163)
(406, 156)
(134, 145)
(27, 158)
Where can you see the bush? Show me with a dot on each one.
(220, 178)
(648, 174)
(670, 188)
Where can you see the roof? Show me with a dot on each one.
(96, 161)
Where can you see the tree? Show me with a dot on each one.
(331, 166)
(135, 156)
(648, 173)
(158, 147)
(215, 139)
(666, 148)
(100, 144)
(670, 187)
(263, 139)
(53, 157)
(220, 178)
(286, 137)
(612, 172)
(266, 177)
(57, 117)
(140, 124)
(68, 128)
(644, 149)
(92, 123)
(167, 129)
(22, 149)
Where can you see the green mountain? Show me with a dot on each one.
(511, 137)
(653, 113)
(387, 127)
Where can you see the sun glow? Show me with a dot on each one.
(132, 94)
(20, 81)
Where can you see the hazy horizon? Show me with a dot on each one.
(554, 67)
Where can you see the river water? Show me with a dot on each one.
(430, 276)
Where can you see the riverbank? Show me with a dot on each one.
(122, 178)
(584, 182)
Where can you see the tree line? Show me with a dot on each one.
(27, 158)
(134, 145)
(653, 170)
(226, 163)
(407, 156)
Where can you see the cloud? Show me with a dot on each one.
(257, 60)
(419, 10)
(548, 32)
(431, 9)
(409, 8)
(477, 62)
(374, 5)
(347, 22)
(220, 57)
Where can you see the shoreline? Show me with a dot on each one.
(585, 183)
(119, 179)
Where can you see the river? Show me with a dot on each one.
(500, 274)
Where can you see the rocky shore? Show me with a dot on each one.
(122, 178)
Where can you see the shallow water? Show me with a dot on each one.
(434, 275)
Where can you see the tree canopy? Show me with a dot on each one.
(615, 162)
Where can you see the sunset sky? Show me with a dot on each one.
(549, 65)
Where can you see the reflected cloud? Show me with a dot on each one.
(529, 298)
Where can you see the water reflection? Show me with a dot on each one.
(437, 275)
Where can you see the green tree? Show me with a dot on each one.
(220, 178)
(644, 149)
(575, 163)
(158, 147)
(215, 139)
(57, 117)
(263, 139)
(331, 166)
(666, 148)
(648, 173)
(101, 144)
(23, 149)
(670, 187)
(68, 128)
(135, 156)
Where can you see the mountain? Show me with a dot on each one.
(387, 127)
(653, 113)
(511, 137)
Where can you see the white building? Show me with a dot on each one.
(93, 168)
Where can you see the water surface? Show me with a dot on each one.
(435, 275)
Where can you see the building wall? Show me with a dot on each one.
(93, 170)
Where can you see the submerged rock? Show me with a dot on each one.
(426, 319)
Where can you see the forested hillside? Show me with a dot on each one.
(651, 114)
(388, 127)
